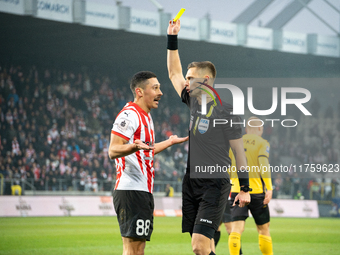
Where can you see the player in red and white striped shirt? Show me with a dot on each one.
(135, 171)
(133, 147)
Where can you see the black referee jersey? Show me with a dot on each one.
(208, 145)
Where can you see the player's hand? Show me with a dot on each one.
(139, 145)
(243, 198)
(268, 197)
(174, 27)
(174, 139)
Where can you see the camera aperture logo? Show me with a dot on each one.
(204, 96)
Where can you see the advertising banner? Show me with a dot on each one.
(294, 42)
(294, 208)
(101, 15)
(327, 46)
(36, 206)
(260, 38)
(145, 22)
(222, 32)
(189, 29)
(59, 10)
(12, 6)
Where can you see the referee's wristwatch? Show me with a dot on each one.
(246, 189)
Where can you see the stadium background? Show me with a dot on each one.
(71, 80)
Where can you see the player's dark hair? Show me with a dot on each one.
(139, 80)
(204, 65)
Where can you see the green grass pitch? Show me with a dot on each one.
(100, 235)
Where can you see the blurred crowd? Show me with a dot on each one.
(314, 143)
(55, 129)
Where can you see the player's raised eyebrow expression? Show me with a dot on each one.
(156, 85)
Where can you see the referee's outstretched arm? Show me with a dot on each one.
(173, 60)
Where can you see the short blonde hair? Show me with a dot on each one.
(204, 65)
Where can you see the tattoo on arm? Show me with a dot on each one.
(234, 152)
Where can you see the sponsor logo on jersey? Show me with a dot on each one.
(267, 149)
(123, 125)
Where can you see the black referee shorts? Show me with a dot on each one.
(227, 213)
(259, 211)
(134, 213)
(204, 202)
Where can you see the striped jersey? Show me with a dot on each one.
(135, 171)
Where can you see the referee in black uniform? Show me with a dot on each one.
(206, 184)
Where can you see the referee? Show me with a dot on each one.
(205, 195)
(257, 153)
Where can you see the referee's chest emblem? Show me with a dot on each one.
(203, 126)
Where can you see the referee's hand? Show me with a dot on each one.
(243, 199)
(174, 27)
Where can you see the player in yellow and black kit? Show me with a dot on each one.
(257, 153)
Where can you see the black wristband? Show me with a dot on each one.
(244, 181)
(172, 42)
(243, 177)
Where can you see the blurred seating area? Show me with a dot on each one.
(311, 151)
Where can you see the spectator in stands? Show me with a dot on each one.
(178, 157)
(63, 154)
(94, 182)
(13, 96)
(68, 180)
(169, 190)
(88, 181)
(41, 160)
(286, 188)
(15, 146)
(298, 195)
(296, 183)
(277, 184)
